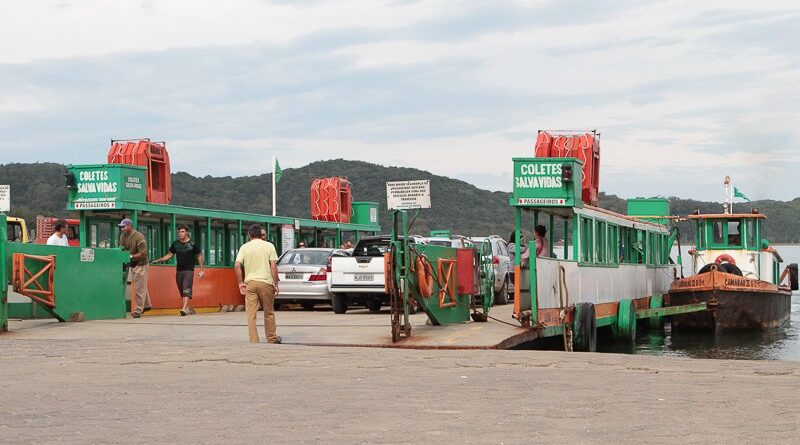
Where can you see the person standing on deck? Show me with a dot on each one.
(185, 252)
(542, 246)
(134, 242)
(59, 236)
(260, 284)
(512, 249)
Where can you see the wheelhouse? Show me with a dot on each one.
(735, 239)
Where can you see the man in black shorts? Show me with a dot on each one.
(185, 251)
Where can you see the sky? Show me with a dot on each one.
(682, 92)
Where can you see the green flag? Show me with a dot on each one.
(739, 194)
(278, 171)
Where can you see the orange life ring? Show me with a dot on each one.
(424, 276)
(726, 258)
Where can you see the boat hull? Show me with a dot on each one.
(735, 303)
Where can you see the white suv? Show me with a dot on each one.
(503, 268)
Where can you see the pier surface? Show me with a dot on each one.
(197, 380)
(358, 327)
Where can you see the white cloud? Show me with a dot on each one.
(683, 92)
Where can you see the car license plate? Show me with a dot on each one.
(363, 277)
(294, 276)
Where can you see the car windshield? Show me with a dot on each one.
(374, 247)
(305, 257)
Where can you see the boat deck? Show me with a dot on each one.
(320, 327)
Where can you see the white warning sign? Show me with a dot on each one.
(408, 194)
(5, 198)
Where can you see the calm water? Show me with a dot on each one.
(777, 344)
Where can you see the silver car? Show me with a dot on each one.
(448, 242)
(503, 268)
(304, 275)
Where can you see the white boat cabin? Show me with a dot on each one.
(734, 239)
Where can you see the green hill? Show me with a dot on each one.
(38, 189)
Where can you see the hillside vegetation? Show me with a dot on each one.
(38, 189)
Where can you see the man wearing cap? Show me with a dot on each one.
(260, 282)
(133, 241)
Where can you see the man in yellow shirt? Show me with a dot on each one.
(260, 283)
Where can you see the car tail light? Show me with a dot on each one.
(495, 260)
(322, 275)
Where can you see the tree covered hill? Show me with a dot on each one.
(38, 189)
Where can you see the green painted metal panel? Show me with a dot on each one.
(539, 182)
(3, 278)
(27, 311)
(650, 207)
(94, 287)
(105, 186)
(365, 212)
(447, 315)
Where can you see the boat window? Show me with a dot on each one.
(641, 247)
(699, 239)
(751, 233)
(717, 233)
(613, 244)
(586, 239)
(601, 242)
(734, 237)
(624, 245)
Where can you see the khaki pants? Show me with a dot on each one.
(141, 297)
(258, 291)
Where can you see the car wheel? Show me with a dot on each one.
(501, 297)
(339, 303)
(374, 305)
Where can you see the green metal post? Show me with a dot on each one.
(3, 279)
(239, 236)
(534, 290)
(550, 229)
(199, 240)
(576, 238)
(517, 234)
(338, 241)
(406, 268)
(162, 237)
(135, 219)
(174, 224)
(566, 237)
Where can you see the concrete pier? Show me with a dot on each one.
(197, 380)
